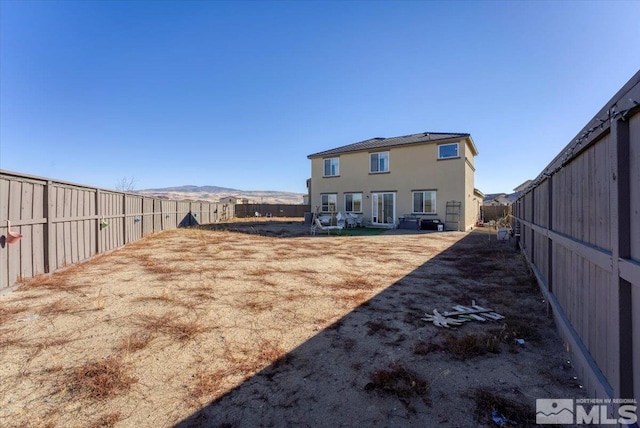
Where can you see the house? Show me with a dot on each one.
(497, 199)
(229, 200)
(428, 175)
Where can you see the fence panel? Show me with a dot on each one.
(196, 213)
(168, 214)
(26, 257)
(495, 212)
(133, 218)
(580, 231)
(65, 223)
(73, 222)
(205, 214)
(147, 216)
(182, 214)
(157, 215)
(111, 235)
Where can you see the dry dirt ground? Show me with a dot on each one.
(273, 327)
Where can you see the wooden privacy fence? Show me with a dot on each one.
(579, 228)
(64, 223)
(276, 210)
(495, 212)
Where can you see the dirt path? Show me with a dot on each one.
(199, 327)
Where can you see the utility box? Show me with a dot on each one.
(503, 233)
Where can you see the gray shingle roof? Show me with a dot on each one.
(379, 143)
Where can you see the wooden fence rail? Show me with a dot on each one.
(64, 223)
(579, 226)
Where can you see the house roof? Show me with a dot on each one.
(405, 140)
(523, 186)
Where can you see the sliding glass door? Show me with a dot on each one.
(383, 208)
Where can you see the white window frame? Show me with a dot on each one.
(378, 170)
(353, 202)
(331, 164)
(457, 155)
(330, 198)
(434, 198)
(388, 217)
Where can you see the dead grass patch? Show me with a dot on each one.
(102, 379)
(257, 305)
(399, 381)
(61, 306)
(248, 360)
(171, 325)
(472, 344)
(7, 313)
(378, 327)
(357, 282)
(426, 347)
(353, 299)
(134, 342)
(208, 385)
(488, 401)
(107, 420)
(9, 337)
(59, 281)
(270, 352)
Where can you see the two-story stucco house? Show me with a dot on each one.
(427, 175)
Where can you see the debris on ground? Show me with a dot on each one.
(461, 315)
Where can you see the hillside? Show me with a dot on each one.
(215, 193)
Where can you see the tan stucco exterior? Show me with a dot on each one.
(411, 168)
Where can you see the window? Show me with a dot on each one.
(448, 151)
(379, 162)
(424, 202)
(328, 202)
(353, 202)
(331, 167)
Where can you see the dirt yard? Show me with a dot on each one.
(202, 327)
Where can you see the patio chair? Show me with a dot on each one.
(351, 221)
(317, 225)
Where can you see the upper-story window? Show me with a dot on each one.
(448, 151)
(379, 162)
(331, 167)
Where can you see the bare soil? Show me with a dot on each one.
(260, 324)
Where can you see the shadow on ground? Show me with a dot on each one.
(382, 365)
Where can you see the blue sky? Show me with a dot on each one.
(237, 94)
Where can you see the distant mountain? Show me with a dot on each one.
(191, 188)
(215, 193)
(501, 198)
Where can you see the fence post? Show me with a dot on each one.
(99, 216)
(124, 218)
(549, 240)
(48, 230)
(621, 248)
